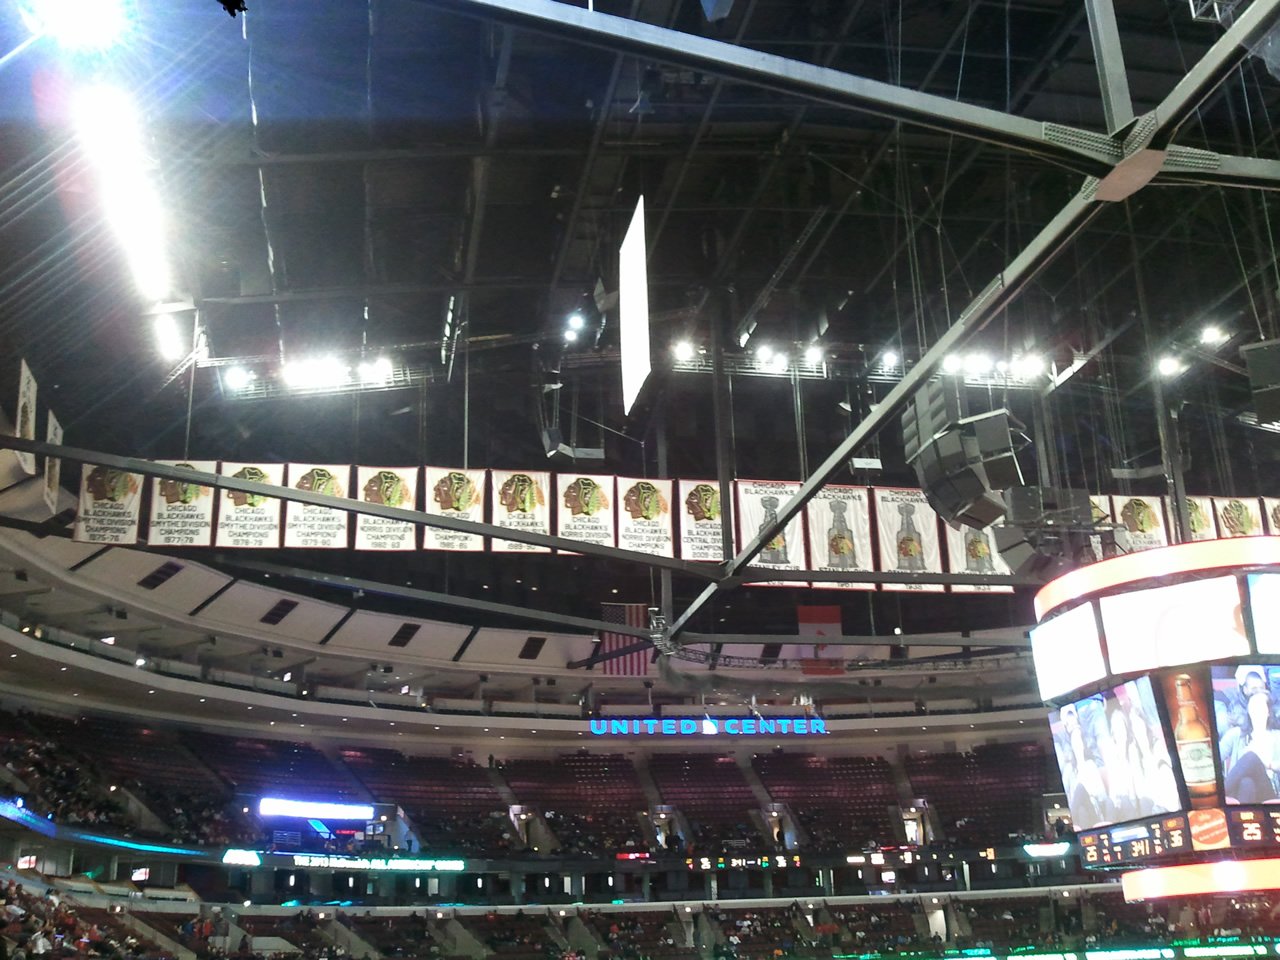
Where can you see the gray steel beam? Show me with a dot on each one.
(1077, 149)
(999, 292)
(1014, 639)
(1117, 105)
(350, 505)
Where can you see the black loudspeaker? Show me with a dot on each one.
(1048, 506)
(1263, 362)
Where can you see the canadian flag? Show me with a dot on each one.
(819, 621)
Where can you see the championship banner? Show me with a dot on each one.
(520, 503)
(1238, 516)
(839, 524)
(970, 550)
(758, 503)
(24, 425)
(1200, 513)
(908, 532)
(1271, 513)
(109, 504)
(52, 465)
(584, 508)
(458, 494)
(644, 516)
(1143, 518)
(1100, 512)
(306, 525)
(701, 521)
(250, 520)
(389, 487)
(182, 513)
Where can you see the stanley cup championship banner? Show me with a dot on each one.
(1271, 514)
(584, 508)
(520, 503)
(1100, 511)
(1143, 518)
(1238, 516)
(24, 424)
(970, 550)
(250, 520)
(306, 525)
(701, 520)
(644, 516)
(182, 513)
(52, 465)
(839, 522)
(1200, 513)
(908, 533)
(758, 503)
(458, 494)
(109, 504)
(388, 487)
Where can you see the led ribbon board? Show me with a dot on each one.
(730, 726)
(307, 810)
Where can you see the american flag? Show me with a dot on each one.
(634, 664)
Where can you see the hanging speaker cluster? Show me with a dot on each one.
(961, 462)
(1263, 363)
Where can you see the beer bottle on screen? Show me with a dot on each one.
(1195, 751)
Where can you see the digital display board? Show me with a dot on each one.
(1248, 744)
(1067, 650)
(1254, 829)
(1114, 758)
(733, 862)
(1264, 610)
(1169, 626)
(1135, 842)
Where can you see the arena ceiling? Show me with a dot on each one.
(445, 181)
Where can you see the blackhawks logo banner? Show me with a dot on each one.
(908, 534)
(520, 503)
(458, 494)
(181, 512)
(970, 550)
(389, 487)
(644, 516)
(109, 503)
(839, 522)
(701, 520)
(584, 508)
(250, 520)
(306, 525)
(1143, 518)
(758, 503)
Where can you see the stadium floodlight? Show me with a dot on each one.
(813, 355)
(683, 351)
(237, 378)
(375, 371)
(315, 373)
(79, 25)
(889, 360)
(168, 340)
(307, 809)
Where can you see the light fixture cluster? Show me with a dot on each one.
(1023, 366)
(317, 373)
(1173, 363)
(573, 326)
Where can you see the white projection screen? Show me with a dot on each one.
(633, 307)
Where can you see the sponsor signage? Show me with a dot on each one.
(397, 864)
(708, 726)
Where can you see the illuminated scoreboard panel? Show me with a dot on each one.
(1135, 842)
(1254, 828)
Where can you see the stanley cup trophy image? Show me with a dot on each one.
(977, 552)
(910, 548)
(840, 553)
(775, 551)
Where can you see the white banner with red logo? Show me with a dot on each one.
(109, 503)
(1238, 516)
(584, 508)
(249, 520)
(458, 494)
(974, 551)
(24, 424)
(52, 465)
(839, 522)
(181, 512)
(520, 503)
(1144, 520)
(701, 520)
(758, 504)
(644, 516)
(307, 525)
(908, 532)
(388, 487)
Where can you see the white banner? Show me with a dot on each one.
(458, 494)
(1200, 512)
(52, 465)
(306, 525)
(644, 516)
(1271, 513)
(758, 503)
(109, 503)
(182, 513)
(1143, 518)
(24, 424)
(520, 503)
(974, 551)
(250, 520)
(839, 522)
(701, 520)
(390, 487)
(1100, 511)
(908, 534)
(1238, 516)
(584, 508)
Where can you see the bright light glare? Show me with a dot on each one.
(237, 378)
(889, 360)
(110, 134)
(1212, 336)
(778, 363)
(374, 370)
(813, 355)
(977, 364)
(140, 662)
(1169, 366)
(576, 322)
(109, 641)
(315, 373)
(571, 336)
(952, 363)
(168, 340)
(1028, 365)
(78, 24)
(683, 351)
(764, 353)
(279, 807)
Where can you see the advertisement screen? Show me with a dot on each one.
(1244, 706)
(1113, 757)
(1068, 652)
(1170, 626)
(1187, 697)
(1264, 610)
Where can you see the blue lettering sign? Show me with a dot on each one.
(707, 726)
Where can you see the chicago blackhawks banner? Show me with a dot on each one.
(1143, 518)
(520, 503)
(1200, 513)
(52, 465)
(584, 508)
(1271, 512)
(109, 504)
(701, 536)
(908, 532)
(839, 523)
(24, 425)
(306, 525)
(758, 503)
(389, 487)
(1100, 511)
(458, 494)
(644, 516)
(250, 520)
(182, 513)
(974, 551)
(1238, 516)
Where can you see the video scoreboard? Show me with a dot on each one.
(1162, 838)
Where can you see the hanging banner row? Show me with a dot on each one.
(834, 533)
